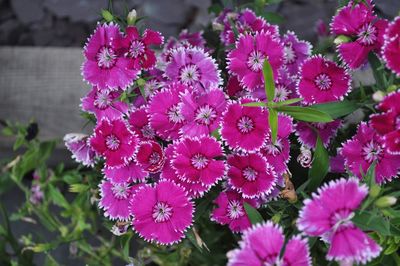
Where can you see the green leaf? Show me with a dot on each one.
(273, 17)
(319, 166)
(269, 83)
(305, 113)
(336, 109)
(370, 221)
(57, 197)
(254, 216)
(282, 103)
(273, 124)
(255, 104)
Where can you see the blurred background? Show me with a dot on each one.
(41, 53)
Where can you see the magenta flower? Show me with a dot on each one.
(234, 88)
(137, 48)
(251, 175)
(150, 156)
(359, 23)
(295, 52)
(322, 80)
(230, 211)
(162, 213)
(165, 111)
(262, 244)
(185, 40)
(367, 147)
(195, 160)
(115, 199)
(244, 128)
(307, 133)
(81, 151)
(336, 164)
(193, 67)
(391, 47)
(194, 189)
(202, 113)
(114, 141)
(104, 104)
(328, 215)
(104, 66)
(246, 60)
(139, 122)
(132, 172)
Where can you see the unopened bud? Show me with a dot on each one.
(276, 218)
(374, 190)
(378, 96)
(217, 26)
(392, 88)
(385, 201)
(341, 39)
(132, 16)
(107, 15)
(140, 82)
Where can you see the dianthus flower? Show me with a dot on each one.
(81, 151)
(307, 133)
(139, 122)
(295, 52)
(150, 156)
(391, 47)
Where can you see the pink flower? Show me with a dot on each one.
(165, 111)
(104, 66)
(321, 28)
(77, 144)
(114, 141)
(193, 67)
(322, 80)
(244, 128)
(328, 215)
(104, 104)
(139, 122)
(262, 244)
(194, 189)
(336, 164)
(358, 22)
(307, 132)
(391, 47)
(115, 199)
(295, 52)
(185, 40)
(234, 88)
(251, 175)
(150, 156)
(195, 160)
(137, 48)
(367, 147)
(162, 213)
(246, 60)
(202, 113)
(131, 172)
(230, 211)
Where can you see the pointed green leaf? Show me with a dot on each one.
(255, 104)
(254, 216)
(371, 221)
(57, 197)
(287, 102)
(269, 83)
(305, 113)
(319, 166)
(336, 109)
(273, 124)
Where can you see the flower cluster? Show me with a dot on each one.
(171, 125)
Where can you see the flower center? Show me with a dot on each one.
(367, 35)
(120, 190)
(372, 152)
(249, 173)
(174, 114)
(154, 158)
(235, 209)
(189, 74)
(150, 87)
(205, 115)
(106, 57)
(199, 161)
(341, 217)
(148, 132)
(255, 61)
(245, 124)
(281, 93)
(289, 54)
(162, 212)
(274, 149)
(136, 48)
(112, 142)
(323, 82)
(102, 100)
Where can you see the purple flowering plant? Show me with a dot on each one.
(239, 145)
